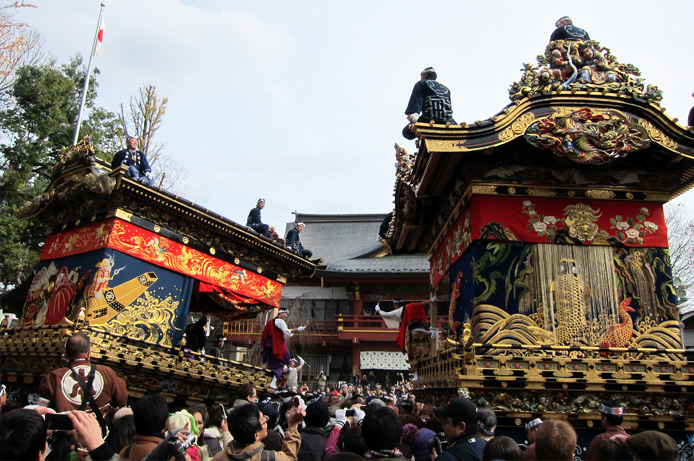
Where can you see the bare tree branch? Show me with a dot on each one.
(680, 222)
(19, 45)
(143, 118)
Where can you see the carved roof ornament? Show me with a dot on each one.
(581, 65)
(404, 164)
(588, 136)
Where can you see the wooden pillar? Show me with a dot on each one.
(358, 301)
(356, 362)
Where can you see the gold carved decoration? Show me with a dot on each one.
(517, 128)
(541, 192)
(440, 145)
(489, 190)
(600, 194)
(657, 197)
(657, 135)
(124, 215)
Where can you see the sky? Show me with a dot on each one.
(301, 103)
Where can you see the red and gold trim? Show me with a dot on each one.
(154, 248)
(548, 220)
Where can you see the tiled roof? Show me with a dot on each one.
(346, 243)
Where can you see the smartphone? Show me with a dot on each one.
(297, 402)
(224, 412)
(59, 422)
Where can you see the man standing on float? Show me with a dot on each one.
(274, 343)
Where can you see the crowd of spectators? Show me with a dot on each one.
(340, 424)
(344, 422)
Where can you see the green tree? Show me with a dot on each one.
(39, 122)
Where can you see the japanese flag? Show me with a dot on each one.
(99, 37)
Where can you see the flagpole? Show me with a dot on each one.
(89, 74)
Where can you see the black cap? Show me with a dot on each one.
(272, 414)
(317, 414)
(460, 409)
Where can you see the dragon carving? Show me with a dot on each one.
(588, 136)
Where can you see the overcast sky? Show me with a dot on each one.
(301, 102)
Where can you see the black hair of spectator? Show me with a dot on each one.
(244, 391)
(605, 448)
(121, 433)
(22, 435)
(150, 414)
(409, 418)
(351, 440)
(434, 423)
(614, 420)
(347, 403)
(77, 344)
(202, 409)
(244, 423)
(317, 415)
(286, 406)
(381, 429)
(502, 447)
(215, 417)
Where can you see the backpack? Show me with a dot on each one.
(265, 455)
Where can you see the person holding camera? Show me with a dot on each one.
(459, 420)
(248, 426)
(345, 418)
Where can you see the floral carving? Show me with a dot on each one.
(630, 230)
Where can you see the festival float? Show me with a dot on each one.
(545, 225)
(129, 265)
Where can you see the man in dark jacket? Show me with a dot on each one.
(136, 161)
(431, 99)
(293, 241)
(313, 437)
(459, 419)
(565, 30)
(254, 221)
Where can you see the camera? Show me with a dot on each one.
(438, 443)
(58, 422)
(349, 412)
(189, 441)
